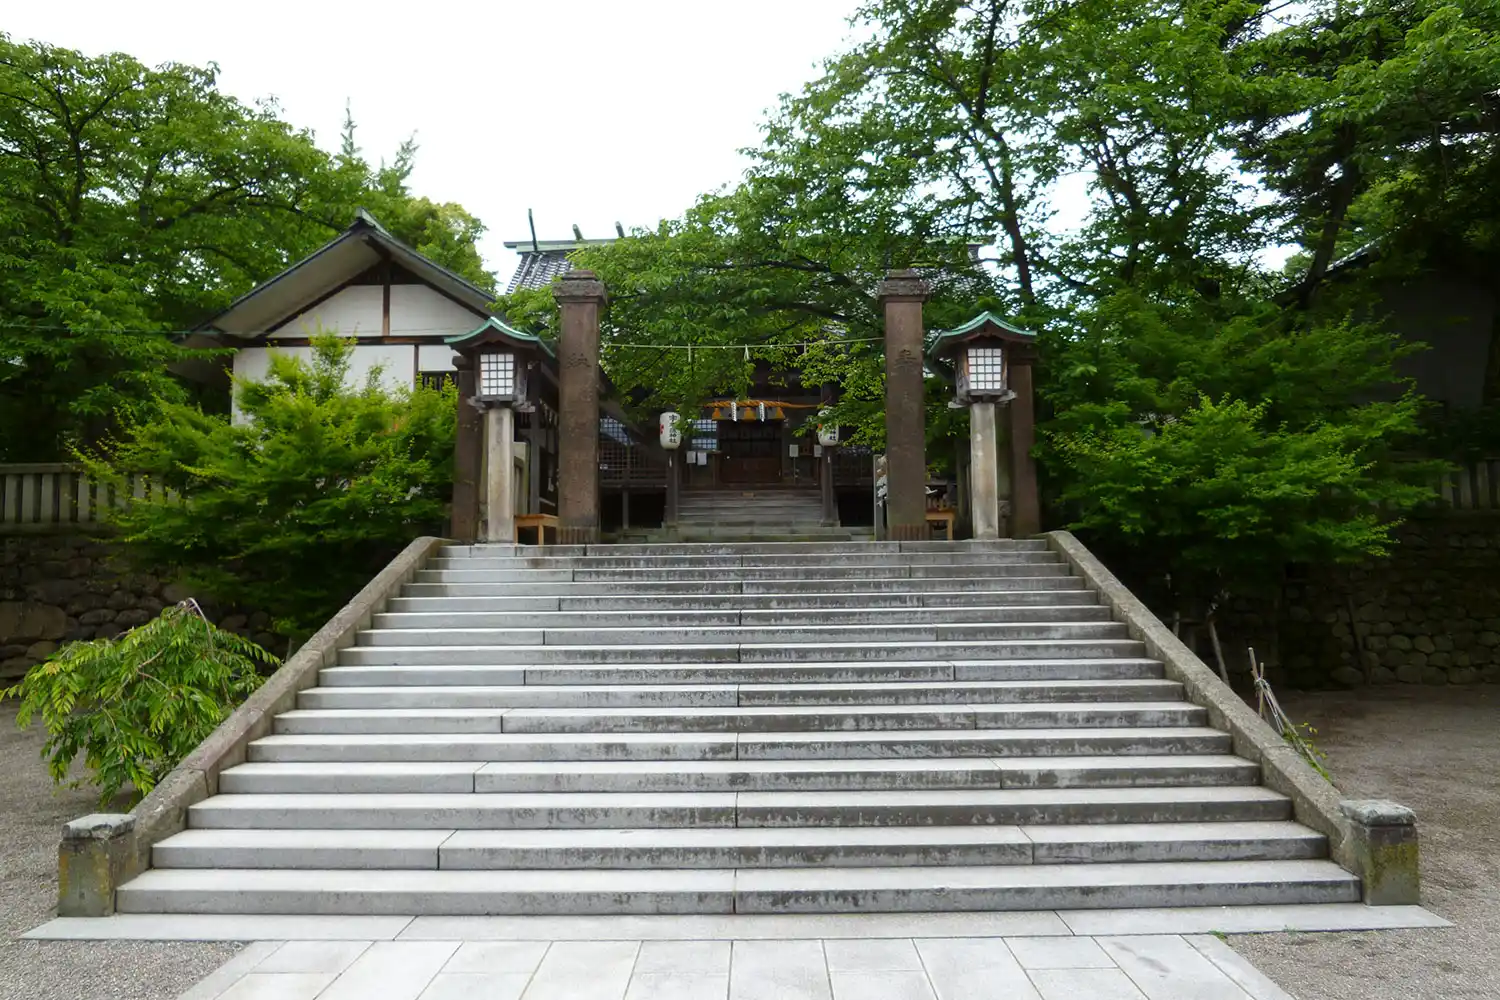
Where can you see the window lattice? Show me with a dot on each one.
(497, 374)
(986, 369)
(704, 435)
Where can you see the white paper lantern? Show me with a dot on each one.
(669, 430)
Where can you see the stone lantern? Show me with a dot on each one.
(828, 440)
(499, 362)
(992, 361)
(669, 432)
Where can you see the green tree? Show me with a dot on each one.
(135, 202)
(134, 706)
(291, 511)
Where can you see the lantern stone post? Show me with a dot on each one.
(984, 471)
(500, 474)
(901, 296)
(580, 297)
(467, 455)
(669, 434)
(828, 440)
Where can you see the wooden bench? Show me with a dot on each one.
(541, 522)
(944, 516)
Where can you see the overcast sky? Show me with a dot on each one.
(586, 111)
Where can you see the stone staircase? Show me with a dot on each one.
(780, 515)
(815, 727)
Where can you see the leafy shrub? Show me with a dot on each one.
(137, 704)
(292, 510)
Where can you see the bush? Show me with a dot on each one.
(137, 704)
(293, 510)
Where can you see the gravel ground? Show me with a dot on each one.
(1436, 750)
(31, 814)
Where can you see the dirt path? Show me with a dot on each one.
(1436, 750)
(31, 815)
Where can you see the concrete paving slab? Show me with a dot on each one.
(1244, 975)
(493, 957)
(974, 969)
(1249, 919)
(1168, 968)
(1085, 984)
(584, 970)
(392, 970)
(779, 970)
(745, 927)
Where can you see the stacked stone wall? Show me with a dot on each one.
(1428, 614)
(58, 588)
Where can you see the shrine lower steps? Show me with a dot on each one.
(740, 728)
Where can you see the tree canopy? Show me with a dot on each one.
(1162, 188)
(137, 201)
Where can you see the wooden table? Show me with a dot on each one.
(541, 522)
(944, 516)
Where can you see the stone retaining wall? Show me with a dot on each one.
(58, 588)
(1430, 614)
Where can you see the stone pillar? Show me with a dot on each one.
(93, 858)
(580, 295)
(825, 488)
(500, 475)
(901, 296)
(1384, 848)
(674, 489)
(984, 472)
(1025, 503)
(467, 455)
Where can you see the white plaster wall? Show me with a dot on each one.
(352, 312)
(435, 358)
(418, 311)
(398, 362)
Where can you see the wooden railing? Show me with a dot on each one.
(58, 498)
(1472, 486)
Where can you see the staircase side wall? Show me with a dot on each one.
(129, 839)
(1315, 802)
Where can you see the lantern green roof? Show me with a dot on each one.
(985, 324)
(506, 332)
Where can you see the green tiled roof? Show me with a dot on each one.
(511, 332)
(959, 334)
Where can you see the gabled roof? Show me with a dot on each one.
(986, 324)
(365, 243)
(544, 261)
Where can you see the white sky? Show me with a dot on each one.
(586, 111)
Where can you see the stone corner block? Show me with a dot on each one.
(95, 855)
(1384, 848)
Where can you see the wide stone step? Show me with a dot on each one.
(803, 672)
(720, 890)
(728, 695)
(669, 574)
(786, 603)
(543, 559)
(499, 850)
(674, 635)
(780, 618)
(902, 744)
(740, 652)
(616, 810)
(735, 548)
(788, 587)
(750, 719)
(727, 776)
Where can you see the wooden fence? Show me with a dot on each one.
(58, 498)
(1473, 486)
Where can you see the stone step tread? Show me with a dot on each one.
(756, 718)
(622, 634)
(745, 618)
(877, 670)
(747, 652)
(757, 548)
(732, 694)
(1087, 833)
(735, 890)
(1009, 600)
(658, 848)
(738, 769)
(1038, 744)
(910, 587)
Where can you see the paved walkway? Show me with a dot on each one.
(1157, 967)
